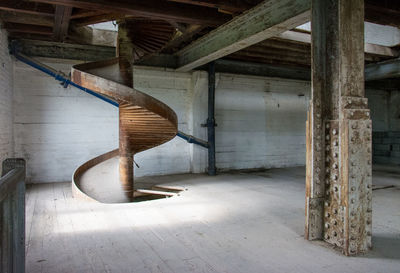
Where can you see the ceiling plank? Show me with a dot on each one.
(21, 35)
(266, 20)
(383, 70)
(81, 13)
(224, 5)
(264, 70)
(27, 8)
(12, 17)
(376, 12)
(61, 22)
(150, 8)
(31, 29)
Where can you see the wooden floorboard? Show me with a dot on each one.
(233, 223)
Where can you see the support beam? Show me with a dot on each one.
(374, 49)
(61, 24)
(150, 8)
(64, 51)
(338, 180)
(383, 70)
(266, 20)
(211, 119)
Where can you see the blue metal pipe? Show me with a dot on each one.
(59, 77)
(65, 81)
(192, 139)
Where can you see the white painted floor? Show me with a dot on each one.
(230, 223)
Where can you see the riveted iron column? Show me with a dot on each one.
(338, 183)
(211, 119)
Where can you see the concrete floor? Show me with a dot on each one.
(242, 222)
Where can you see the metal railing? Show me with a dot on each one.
(12, 216)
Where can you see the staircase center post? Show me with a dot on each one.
(125, 159)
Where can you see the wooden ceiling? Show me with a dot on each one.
(53, 20)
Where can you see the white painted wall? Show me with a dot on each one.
(394, 110)
(57, 129)
(385, 109)
(172, 88)
(6, 90)
(261, 122)
(378, 102)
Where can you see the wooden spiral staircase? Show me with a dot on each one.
(144, 122)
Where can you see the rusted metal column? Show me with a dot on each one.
(211, 119)
(125, 157)
(338, 183)
(315, 152)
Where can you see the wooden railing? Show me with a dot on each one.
(12, 216)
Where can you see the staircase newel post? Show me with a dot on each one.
(126, 175)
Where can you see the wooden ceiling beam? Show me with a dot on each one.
(264, 21)
(368, 48)
(232, 6)
(21, 35)
(263, 70)
(27, 8)
(151, 9)
(383, 13)
(82, 13)
(270, 61)
(285, 45)
(65, 50)
(21, 18)
(383, 70)
(61, 22)
(278, 56)
(24, 28)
